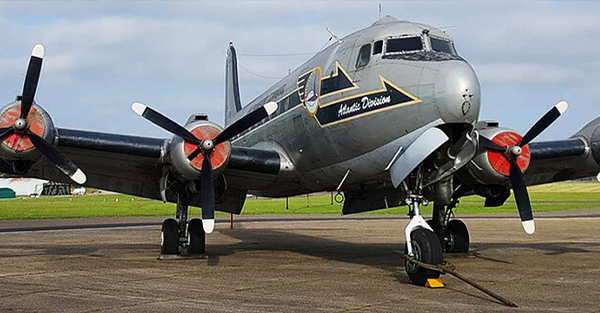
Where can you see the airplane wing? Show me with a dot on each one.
(560, 160)
(133, 165)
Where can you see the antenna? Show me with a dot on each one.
(379, 10)
(333, 35)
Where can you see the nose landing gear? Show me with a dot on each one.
(425, 248)
(421, 242)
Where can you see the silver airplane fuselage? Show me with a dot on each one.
(370, 105)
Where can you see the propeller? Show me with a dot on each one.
(206, 147)
(21, 125)
(511, 153)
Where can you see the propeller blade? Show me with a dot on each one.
(207, 198)
(195, 153)
(31, 79)
(57, 158)
(544, 122)
(163, 121)
(246, 122)
(6, 131)
(490, 145)
(521, 197)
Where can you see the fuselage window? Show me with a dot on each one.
(378, 47)
(442, 45)
(363, 55)
(403, 45)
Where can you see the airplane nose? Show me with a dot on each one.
(457, 93)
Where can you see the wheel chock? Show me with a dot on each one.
(434, 283)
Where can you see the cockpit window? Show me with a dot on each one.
(378, 47)
(404, 45)
(364, 54)
(442, 45)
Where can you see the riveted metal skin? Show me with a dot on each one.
(447, 90)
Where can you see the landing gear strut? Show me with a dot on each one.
(179, 232)
(452, 233)
(421, 242)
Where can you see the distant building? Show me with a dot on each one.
(35, 187)
(24, 186)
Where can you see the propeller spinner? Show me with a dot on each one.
(511, 152)
(204, 148)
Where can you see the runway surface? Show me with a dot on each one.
(292, 264)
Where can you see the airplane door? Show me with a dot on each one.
(296, 142)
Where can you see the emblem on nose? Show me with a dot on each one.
(466, 105)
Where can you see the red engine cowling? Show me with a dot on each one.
(17, 147)
(181, 149)
(491, 167)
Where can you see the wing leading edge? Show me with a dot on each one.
(134, 165)
(560, 160)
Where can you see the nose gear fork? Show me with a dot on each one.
(416, 219)
(422, 243)
(414, 200)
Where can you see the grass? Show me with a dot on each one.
(563, 196)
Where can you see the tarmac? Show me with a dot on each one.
(295, 264)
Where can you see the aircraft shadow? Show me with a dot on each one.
(385, 256)
(548, 248)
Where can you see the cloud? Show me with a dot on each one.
(526, 73)
(101, 56)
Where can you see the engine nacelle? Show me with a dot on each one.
(181, 149)
(17, 147)
(490, 168)
(595, 143)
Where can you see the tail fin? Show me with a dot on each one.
(232, 90)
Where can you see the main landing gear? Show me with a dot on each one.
(452, 234)
(179, 233)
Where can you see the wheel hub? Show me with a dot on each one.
(412, 267)
(450, 241)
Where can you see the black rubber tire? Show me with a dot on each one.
(438, 232)
(196, 237)
(170, 237)
(427, 249)
(457, 236)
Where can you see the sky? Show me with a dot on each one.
(103, 55)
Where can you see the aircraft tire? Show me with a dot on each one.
(438, 232)
(196, 237)
(170, 237)
(457, 236)
(427, 249)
